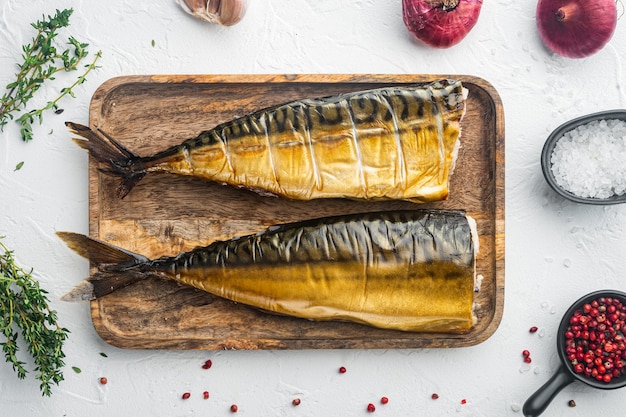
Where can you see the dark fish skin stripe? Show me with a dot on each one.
(279, 119)
(402, 236)
(404, 113)
(417, 97)
(329, 114)
(361, 104)
(414, 104)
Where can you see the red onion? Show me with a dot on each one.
(576, 28)
(440, 23)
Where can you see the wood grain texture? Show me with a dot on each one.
(165, 214)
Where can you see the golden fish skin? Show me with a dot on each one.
(395, 142)
(403, 270)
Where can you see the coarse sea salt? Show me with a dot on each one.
(590, 160)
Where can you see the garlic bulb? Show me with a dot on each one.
(223, 12)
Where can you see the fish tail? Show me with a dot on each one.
(119, 160)
(116, 267)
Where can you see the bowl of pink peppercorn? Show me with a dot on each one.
(591, 346)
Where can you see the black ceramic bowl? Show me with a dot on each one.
(565, 375)
(554, 137)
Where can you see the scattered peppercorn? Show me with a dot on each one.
(342, 370)
(205, 395)
(463, 401)
(296, 402)
(103, 380)
(533, 329)
(384, 400)
(371, 408)
(526, 355)
(207, 364)
(572, 403)
(186, 396)
(434, 396)
(234, 408)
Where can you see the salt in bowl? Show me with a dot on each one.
(556, 135)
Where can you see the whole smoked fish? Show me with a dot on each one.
(397, 142)
(405, 270)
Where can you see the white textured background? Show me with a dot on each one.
(556, 251)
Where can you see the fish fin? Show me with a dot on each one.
(119, 160)
(82, 292)
(116, 267)
(101, 284)
(98, 251)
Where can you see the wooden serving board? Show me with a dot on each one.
(166, 214)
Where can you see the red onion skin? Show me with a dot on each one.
(437, 24)
(576, 28)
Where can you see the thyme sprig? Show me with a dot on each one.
(24, 308)
(41, 61)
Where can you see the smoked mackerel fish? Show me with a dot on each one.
(411, 270)
(395, 142)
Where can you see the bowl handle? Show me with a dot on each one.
(540, 400)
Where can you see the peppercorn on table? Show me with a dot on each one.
(147, 351)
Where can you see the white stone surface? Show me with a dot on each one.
(556, 251)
